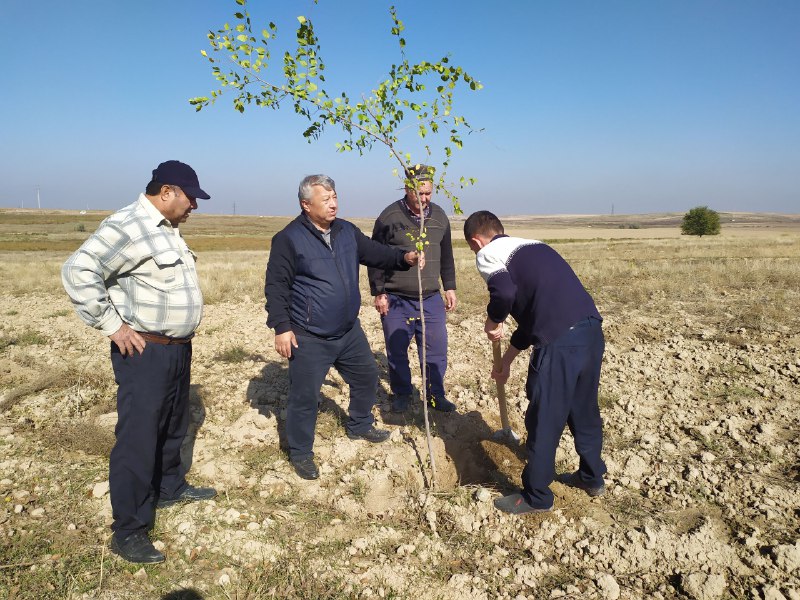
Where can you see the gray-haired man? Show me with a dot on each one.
(313, 300)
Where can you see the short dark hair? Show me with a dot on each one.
(482, 223)
(153, 188)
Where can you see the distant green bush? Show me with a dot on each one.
(701, 221)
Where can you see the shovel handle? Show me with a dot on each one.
(497, 353)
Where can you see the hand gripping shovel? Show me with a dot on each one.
(506, 431)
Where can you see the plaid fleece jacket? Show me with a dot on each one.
(136, 268)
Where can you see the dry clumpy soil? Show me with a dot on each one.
(702, 487)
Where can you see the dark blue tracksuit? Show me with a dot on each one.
(528, 280)
(313, 290)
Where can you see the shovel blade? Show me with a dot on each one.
(506, 434)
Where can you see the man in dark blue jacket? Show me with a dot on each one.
(313, 300)
(530, 281)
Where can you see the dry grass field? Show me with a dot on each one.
(699, 395)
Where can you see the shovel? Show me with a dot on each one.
(506, 432)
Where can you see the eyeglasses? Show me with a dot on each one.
(178, 191)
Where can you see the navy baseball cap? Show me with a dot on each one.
(174, 172)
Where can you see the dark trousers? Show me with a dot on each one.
(153, 415)
(308, 366)
(563, 378)
(400, 324)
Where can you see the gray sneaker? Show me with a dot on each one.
(515, 504)
(574, 480)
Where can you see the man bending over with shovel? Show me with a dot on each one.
(530, 281)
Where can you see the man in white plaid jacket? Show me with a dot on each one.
(134, 280)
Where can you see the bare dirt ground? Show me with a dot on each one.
(699, 396)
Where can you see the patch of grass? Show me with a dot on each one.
(36, 219)
(39, 245)
(358, 489)
(473, 295)
(24, 274)
(235, 354)
(81, 436)
(44, 382)
(12, 313)
(734, 339)
(330, 424)
(51, 564)
(224, 280)
(630, 507)
(607, 400)
(229, 243)
(261, 456)
(28, 337)
(741, 391)
(57, 380)
(292, 577)
(700, 492)
(710, 443)
(59, 313)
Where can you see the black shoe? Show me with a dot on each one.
(401, 403)
(136, 548)
(574, 480)
(189, 494)
(441, 404)
(515, 504)
(306, 468)
(376, 436)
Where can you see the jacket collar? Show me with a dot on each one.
(303, 220)
(154, 216)
(411, 214)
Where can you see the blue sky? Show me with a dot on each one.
(653, 106)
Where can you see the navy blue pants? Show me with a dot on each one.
(308, 366)
(563, 378)
(402, 323)
(153, 415)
